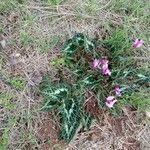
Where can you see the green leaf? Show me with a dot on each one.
(77, 43)
(70, 121)
(88, 81)
(89, 45)
(49, 105)
(54, 93)
(69, 48)
(79, 39)
(87, 120)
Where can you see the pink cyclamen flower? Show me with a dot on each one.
(105, 69)
(96, 63)
(137, 43)
(117, 90)
(110, 101)
(103, 61)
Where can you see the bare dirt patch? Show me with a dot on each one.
(115, 133)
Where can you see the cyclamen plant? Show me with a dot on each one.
(96, 76)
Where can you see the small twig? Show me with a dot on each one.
(68, 14)
(141, 58)
(104, 5)
(50, 7)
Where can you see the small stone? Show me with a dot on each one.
(17, 55)
(148, 114)
(2, 43)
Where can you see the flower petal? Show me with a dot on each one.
(96, 63)
(103, 61)
(137, 43)
(110, 103)
(105, 70)
(117, 90)
(108, 72)
(110, 98)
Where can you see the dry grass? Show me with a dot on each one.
(114, 133)
(34, 33)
